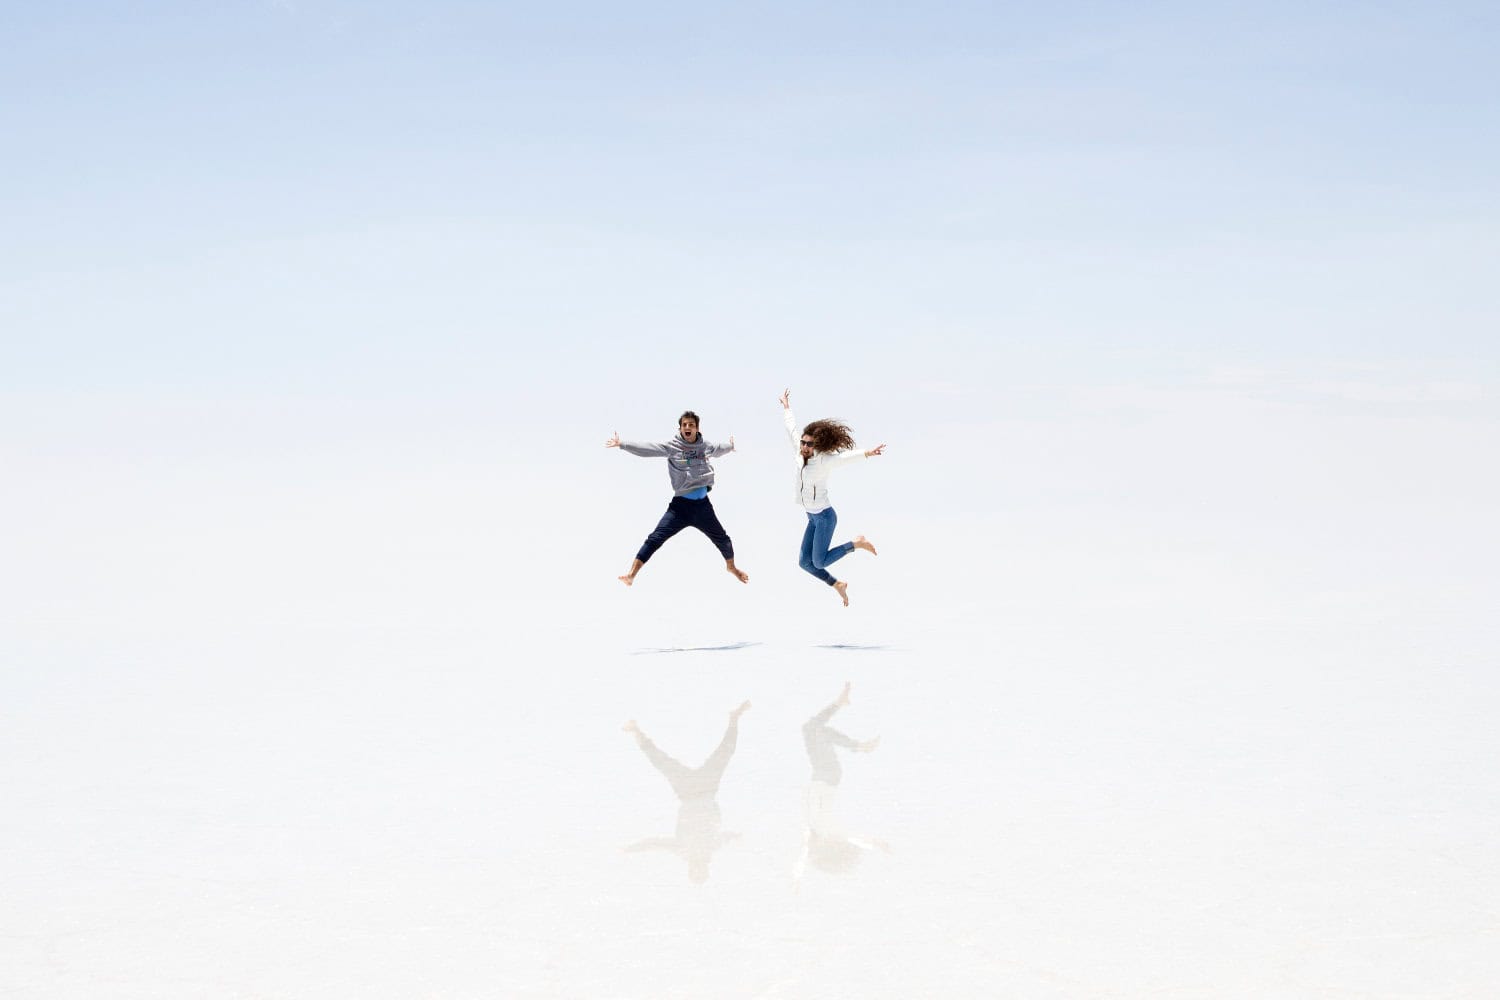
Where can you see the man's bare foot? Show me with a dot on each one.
(736, 572)
(631, 727)
(635, 567)
(735, 715)
(843, 589)
(861, 542)
(843, 698)
(628, 579)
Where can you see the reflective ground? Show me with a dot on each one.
(651, 806)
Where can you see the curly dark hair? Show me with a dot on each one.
(830, 435)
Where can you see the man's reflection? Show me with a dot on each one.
(829, 846)
(698, 833)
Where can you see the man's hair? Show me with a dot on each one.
(830, 435)
(689, 415)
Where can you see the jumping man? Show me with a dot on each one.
(687, 456)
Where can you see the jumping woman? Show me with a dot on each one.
(687, 457)
(823, 446)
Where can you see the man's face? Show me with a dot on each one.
(689, 428)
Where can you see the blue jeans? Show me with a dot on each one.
(816, 553)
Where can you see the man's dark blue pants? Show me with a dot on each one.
(684, 513)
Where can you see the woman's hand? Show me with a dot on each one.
(786, 399)
(879, 449)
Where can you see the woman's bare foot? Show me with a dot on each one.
(736, 572)
(635, 567)
(631, 727)
(861, 542)
(735, 715)
(843, 698)
(843, 589)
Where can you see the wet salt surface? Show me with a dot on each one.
(1276, 809)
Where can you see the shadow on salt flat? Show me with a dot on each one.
(696, 649)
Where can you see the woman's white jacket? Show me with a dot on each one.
(812, 477)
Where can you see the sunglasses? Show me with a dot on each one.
(806, 443)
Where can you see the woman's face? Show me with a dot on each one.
(806, 447)
(688, 428)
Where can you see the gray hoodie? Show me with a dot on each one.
(686, 463)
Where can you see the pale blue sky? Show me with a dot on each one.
(309, 196)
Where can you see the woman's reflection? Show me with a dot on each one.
(698, 831)
(829, 846)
